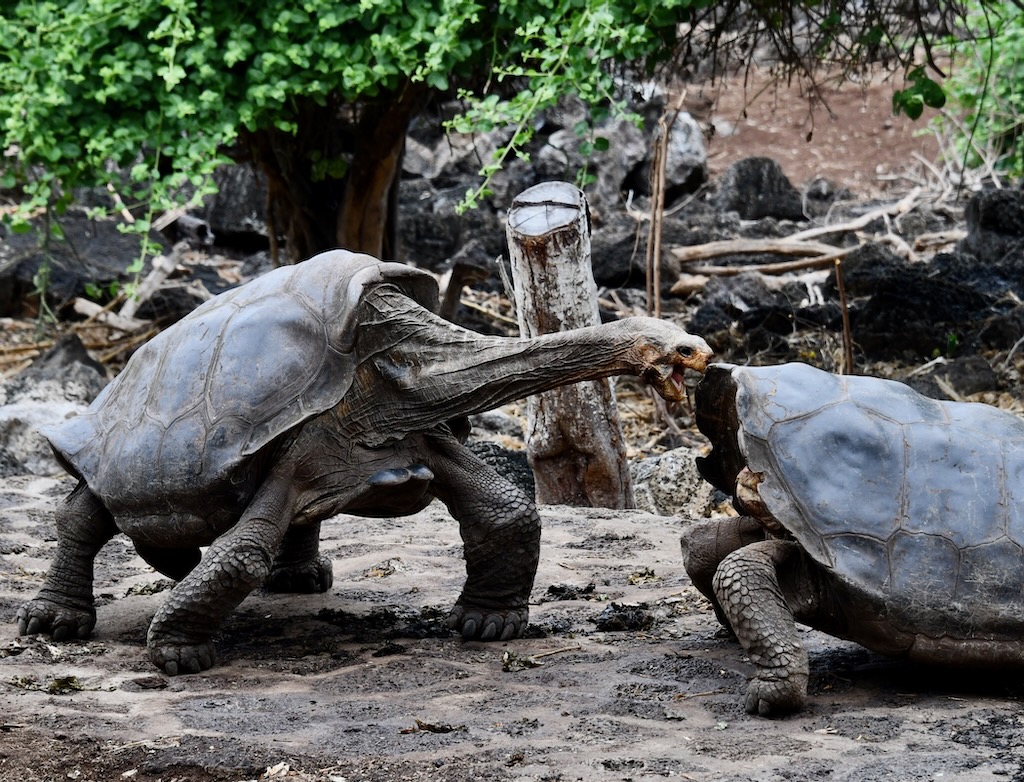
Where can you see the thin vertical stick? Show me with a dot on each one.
(847, 336)
(660, 160)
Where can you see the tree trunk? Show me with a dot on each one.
(367, 221)
(574, 438)
(333, 182)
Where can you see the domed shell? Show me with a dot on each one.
(910, 501)
(199, 399)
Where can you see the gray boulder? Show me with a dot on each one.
(669, 485)
(61, 382)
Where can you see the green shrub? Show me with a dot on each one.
(986, 89)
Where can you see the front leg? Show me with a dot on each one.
(706, 542)
(500, 530)
(749, 587)
(181, 633)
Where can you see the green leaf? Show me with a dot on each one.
(932, 94)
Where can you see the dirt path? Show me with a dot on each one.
(365, 684)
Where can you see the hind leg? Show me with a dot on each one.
(299, 566)
(64, 606)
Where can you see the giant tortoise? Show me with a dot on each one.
(869, 512)
(318, 388)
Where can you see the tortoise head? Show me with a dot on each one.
(665, 352)
(717, 419)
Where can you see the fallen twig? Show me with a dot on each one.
(931, 241)
(751, 247)
(94, 312)
(560, 650)
(163, 265)
(783, 267)
(904, 205)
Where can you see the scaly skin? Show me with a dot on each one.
(747, 587)
(500, 530)
(299, 567)
(64, 606)
(760, 587)
(180, 635)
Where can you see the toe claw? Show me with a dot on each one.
(488, 624)
(490, 631)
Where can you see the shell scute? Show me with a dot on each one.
(915, 501)
(954, 485)
(824, 476)
(178, 425)
(772, 395)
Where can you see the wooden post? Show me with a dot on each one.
(574, 438)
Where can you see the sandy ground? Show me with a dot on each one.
(624, 675)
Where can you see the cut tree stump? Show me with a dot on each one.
(574, 438)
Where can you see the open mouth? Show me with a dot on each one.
(677, 378)
(671, 380)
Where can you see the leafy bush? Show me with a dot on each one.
(148, 97)
(986, 89)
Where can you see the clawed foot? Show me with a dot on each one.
(184, 658)
(315, 576)
(64, 620)
(488, 624)
(774, 697)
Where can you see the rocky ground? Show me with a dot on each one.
(624, 673)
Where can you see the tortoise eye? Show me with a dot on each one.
(685, 352)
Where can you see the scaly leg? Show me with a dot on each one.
(64, 606)
(706, 542)
(180, 636)
(500, 530)
(747, 585)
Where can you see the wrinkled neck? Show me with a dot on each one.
(427, 370)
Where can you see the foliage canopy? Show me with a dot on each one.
(148, 97)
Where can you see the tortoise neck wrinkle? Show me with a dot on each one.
(426, 358)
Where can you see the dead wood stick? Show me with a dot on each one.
(902, 206)
(845, 310)
(35, 347)
(665, 125)
(560, 650)
(783, 267)
(938, 239)
(94, 312)
(699, 252)
(163, 265)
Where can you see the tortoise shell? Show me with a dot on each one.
(912, 504)
(200, 399)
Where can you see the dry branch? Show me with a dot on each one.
(163, 265)
(94, 312)
(699, 252)
(904, 205)
(821, 261)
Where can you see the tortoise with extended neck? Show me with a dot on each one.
(316, 389)
(869, 512)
